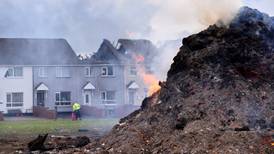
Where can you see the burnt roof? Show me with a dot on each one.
(107, 53)
(138, 46)
(26, 51)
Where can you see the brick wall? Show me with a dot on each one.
(43, 112)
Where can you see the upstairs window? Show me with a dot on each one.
(63, 98)
(133, 70)
(62, 72)
(107, 71)
(88, 71)
(14, 72)
(15, 99)
(43, 72)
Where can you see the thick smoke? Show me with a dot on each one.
(177, 18)
(84, 23)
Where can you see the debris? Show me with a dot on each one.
(83, 130)
(38, 143)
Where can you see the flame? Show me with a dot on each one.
(151, 82)
(138, 58)
(149, 79)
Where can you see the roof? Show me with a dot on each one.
(141, 46)
(26, 51)
(133, 85)
(42, 87)
(107, 53)
(89, 86)
(136, 48)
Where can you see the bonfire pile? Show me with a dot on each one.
(218, 98)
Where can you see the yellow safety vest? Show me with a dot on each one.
(76, 106)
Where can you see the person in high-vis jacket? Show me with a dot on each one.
(76, 109)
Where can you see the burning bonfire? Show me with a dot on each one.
(217, 97)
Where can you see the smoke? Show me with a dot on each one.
(84, 23)
(176, 19)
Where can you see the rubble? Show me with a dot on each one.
(218, 97)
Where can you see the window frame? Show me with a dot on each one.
(59, 72)
(14, 104)
(59, 101)
(107, 71)
(13, 72)
(43, 72)
(133, 69)
(89, 70)
(106, 95)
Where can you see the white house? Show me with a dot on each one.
(16, 85)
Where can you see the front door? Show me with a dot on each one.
(41, 98)
(131, 96)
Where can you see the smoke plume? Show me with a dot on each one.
(177, 18)
(84, 23)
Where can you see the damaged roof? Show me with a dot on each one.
(26, 51)
(138, 46)
(107, 53)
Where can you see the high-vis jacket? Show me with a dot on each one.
(76, 106)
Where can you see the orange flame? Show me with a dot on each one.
(151, 81)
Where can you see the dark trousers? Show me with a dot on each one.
(77, 114)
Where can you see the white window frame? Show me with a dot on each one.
(107, 71)
(131, 69)
(60, 72)
(13, 72)
(60, 101)
(90, 72)
(11, 100)
(43, 72)
(105, 93)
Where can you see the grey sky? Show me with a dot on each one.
(84, 23)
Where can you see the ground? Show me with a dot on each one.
(16, 132)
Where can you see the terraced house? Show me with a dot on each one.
(46, 73)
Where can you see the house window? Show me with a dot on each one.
(88, 71)
(107, 71)
(14, 72)
(133, 70)
(108, 95)
(43, 72)
(62, 72)
(15, 99)
(63, 98)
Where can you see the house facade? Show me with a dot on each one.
(47, 73)
(16, 89)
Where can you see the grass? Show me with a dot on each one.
(25, 127)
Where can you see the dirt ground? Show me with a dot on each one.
(18, 144)
(17, 132)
